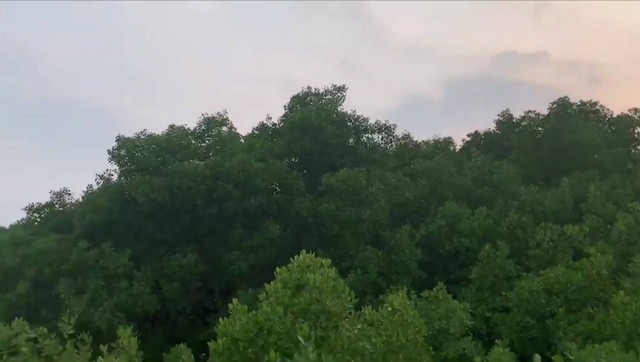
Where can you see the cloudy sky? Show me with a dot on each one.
(74, 75)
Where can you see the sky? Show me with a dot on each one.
(73, 75)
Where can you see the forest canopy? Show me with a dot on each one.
(327, 236)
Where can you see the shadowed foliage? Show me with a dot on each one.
(518, 244)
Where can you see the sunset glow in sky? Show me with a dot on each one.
(73, 75)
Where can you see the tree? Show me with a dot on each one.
(308, 301)
(519, 243)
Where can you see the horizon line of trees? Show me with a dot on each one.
(520, 243)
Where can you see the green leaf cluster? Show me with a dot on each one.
(518, 243)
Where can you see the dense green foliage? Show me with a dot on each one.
(522, 243)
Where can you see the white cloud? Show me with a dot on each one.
(568, 30)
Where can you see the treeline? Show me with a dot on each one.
(521, 243)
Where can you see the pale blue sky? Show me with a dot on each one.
(73, 75)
